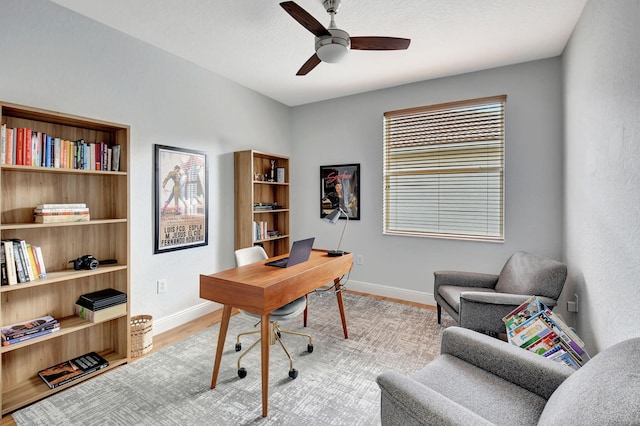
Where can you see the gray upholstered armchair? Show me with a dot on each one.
(479, 380)
(479, 301)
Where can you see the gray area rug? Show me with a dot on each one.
(336, 382)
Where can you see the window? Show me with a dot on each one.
(444, 170)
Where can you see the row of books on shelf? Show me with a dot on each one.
(534, 327)
(28, 147)
(21, 262)
(60, 213)
(261, 232)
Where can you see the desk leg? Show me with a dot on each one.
(224, 325)
(306, 309)
(265, 335)
(341, 306)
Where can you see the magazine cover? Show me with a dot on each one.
(34, 325)
(73, 369)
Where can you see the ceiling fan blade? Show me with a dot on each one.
(305, 19)
(379, 43)
(311, 63)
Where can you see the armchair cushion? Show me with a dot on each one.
(527, 273)
(476, 380)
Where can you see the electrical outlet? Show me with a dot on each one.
(162, 285)
(359, 259)
(572, 306)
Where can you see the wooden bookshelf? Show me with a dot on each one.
(105, 236)
(251, 188)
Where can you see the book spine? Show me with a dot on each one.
(19, 261)
(27, 263)
(20, 147)
(3, 141)
(40, 260)
(62, 218)
(10, 261)
(3, 267)
(11, 138)
(61, 206)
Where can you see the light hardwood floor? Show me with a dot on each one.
(189, 329)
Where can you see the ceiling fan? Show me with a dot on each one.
(333, 43)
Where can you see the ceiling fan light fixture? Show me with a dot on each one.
(331, 53)
(333, 49)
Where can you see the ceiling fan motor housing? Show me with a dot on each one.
(333, 49)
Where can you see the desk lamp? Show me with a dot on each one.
(333, 218)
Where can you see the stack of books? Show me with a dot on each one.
(532, 326)
(101, 305)
(65, 372)
(56, 213)
(31, 329)
(21, 262)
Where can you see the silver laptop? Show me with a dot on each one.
(300, 251)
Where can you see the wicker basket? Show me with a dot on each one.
(141, 335)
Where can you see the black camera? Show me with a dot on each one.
(85, 262)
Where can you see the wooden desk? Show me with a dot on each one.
(262, 289)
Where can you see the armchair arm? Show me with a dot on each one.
(521, 367)
(419, 404)
(464, 279)
(484, 311)
(502, 298)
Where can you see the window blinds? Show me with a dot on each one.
(444, 170)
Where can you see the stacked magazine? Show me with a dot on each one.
(65, 372)
(532, 326)
(31, 329)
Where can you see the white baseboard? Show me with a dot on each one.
(167, 323)
(161, 325)
(393, 292)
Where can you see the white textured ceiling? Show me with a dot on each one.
(257, 44)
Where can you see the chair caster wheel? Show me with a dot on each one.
(242, 372)
(309, 348)
(292, 373)
(238, 347)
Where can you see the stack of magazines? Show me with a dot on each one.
(31, 329)
(532, 326)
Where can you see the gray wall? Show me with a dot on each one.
(349, 130)
(58, 60)
(602, 177)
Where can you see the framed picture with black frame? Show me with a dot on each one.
(340, 187)
(181, 210)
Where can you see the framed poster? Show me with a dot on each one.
(340, 187)
(181, 199)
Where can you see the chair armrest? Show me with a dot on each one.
(502, 298)
(464, 279)
(516, 365)
(419, 404)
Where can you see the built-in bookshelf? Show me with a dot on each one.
(262, 201)
(105, 236)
